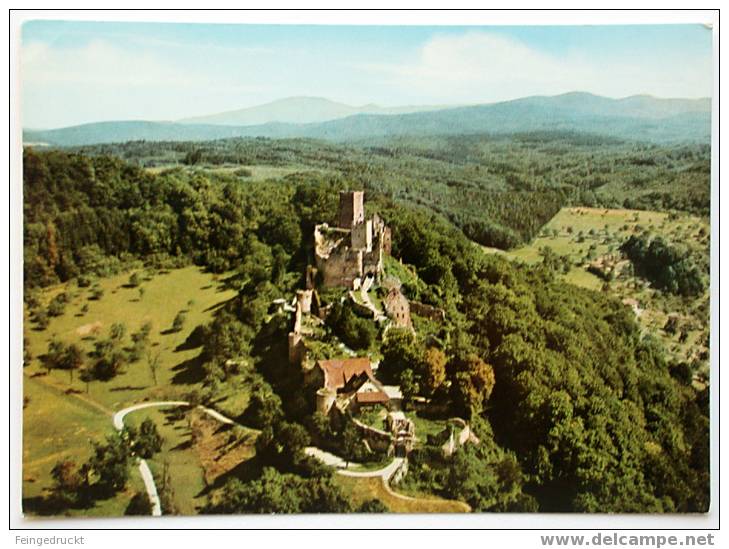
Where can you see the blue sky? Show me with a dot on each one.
(77, 72)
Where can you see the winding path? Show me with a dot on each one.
(340, 464)
(385, 474)
(144, 470)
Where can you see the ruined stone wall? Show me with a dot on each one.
(351, 208)
(427, 311)
(398, 308)
(341, 267)
(362, 236)
(387, 240)
(303, 300)
(372, 261)
(297, 349)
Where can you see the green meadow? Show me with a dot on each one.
(63, 415)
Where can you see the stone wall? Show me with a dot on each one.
(362, 236)
(351, 208)
(427, 311)
(397, 308)
(341, 267)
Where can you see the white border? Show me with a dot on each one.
(347, 521)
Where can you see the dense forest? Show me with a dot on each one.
(499, 190)
(578, 408)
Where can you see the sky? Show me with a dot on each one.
(79, 72)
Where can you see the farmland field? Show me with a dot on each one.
(586, 235)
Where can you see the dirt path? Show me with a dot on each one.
(65, 392)
(385, 474)
(147, 477)
(464, 506)
(341, 465)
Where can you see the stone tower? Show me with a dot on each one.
(351, 208)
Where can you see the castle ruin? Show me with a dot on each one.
(347, 254)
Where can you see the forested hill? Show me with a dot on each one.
(585, 414)
(499, 191)
(637, 118)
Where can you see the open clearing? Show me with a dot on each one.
(256, 172)
(587, 234)
(62, 416)
(363, 489)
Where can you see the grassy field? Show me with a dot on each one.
(189, 289)
(257, 172)
(363, 489)
(61, 415)
(587, 234)
(178, 456)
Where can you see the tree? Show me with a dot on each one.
(167, 491)
(292, 438)
(351, 440)
(147, 441)
(57, 306)
(139, 505)
(41, 319)
(134, 280)
(109, 359)
(118, 331)
(110, 463)
(434, 369)
(275, 492)
(72, 360)
(474, 381)
(264, 408)
(179, 321)
(69, 483)
(54, 356)
(153, 364)
(373, 506)
(400, 352)
(408, 385)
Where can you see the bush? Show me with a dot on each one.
(373, 506)
(179, 321)
(139, 505)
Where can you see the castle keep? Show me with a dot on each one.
(345, 255)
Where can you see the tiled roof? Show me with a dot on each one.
(338, 372)
(372, 397)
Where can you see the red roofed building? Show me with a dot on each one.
(372, 398)
(341, 373)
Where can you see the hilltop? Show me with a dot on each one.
(298, 110)
(640, 118)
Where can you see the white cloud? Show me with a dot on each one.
(481, 66)
(101, 81)
(96, 64)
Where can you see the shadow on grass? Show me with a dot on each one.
(219, 304)
(128, 388)
(246, 471)
(189, 372)
(184, 445)
(48, 505)
(193, 341)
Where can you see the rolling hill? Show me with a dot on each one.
(298, 110)
(634, 118)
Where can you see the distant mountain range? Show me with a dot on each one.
(638, 117)
(299, 110)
